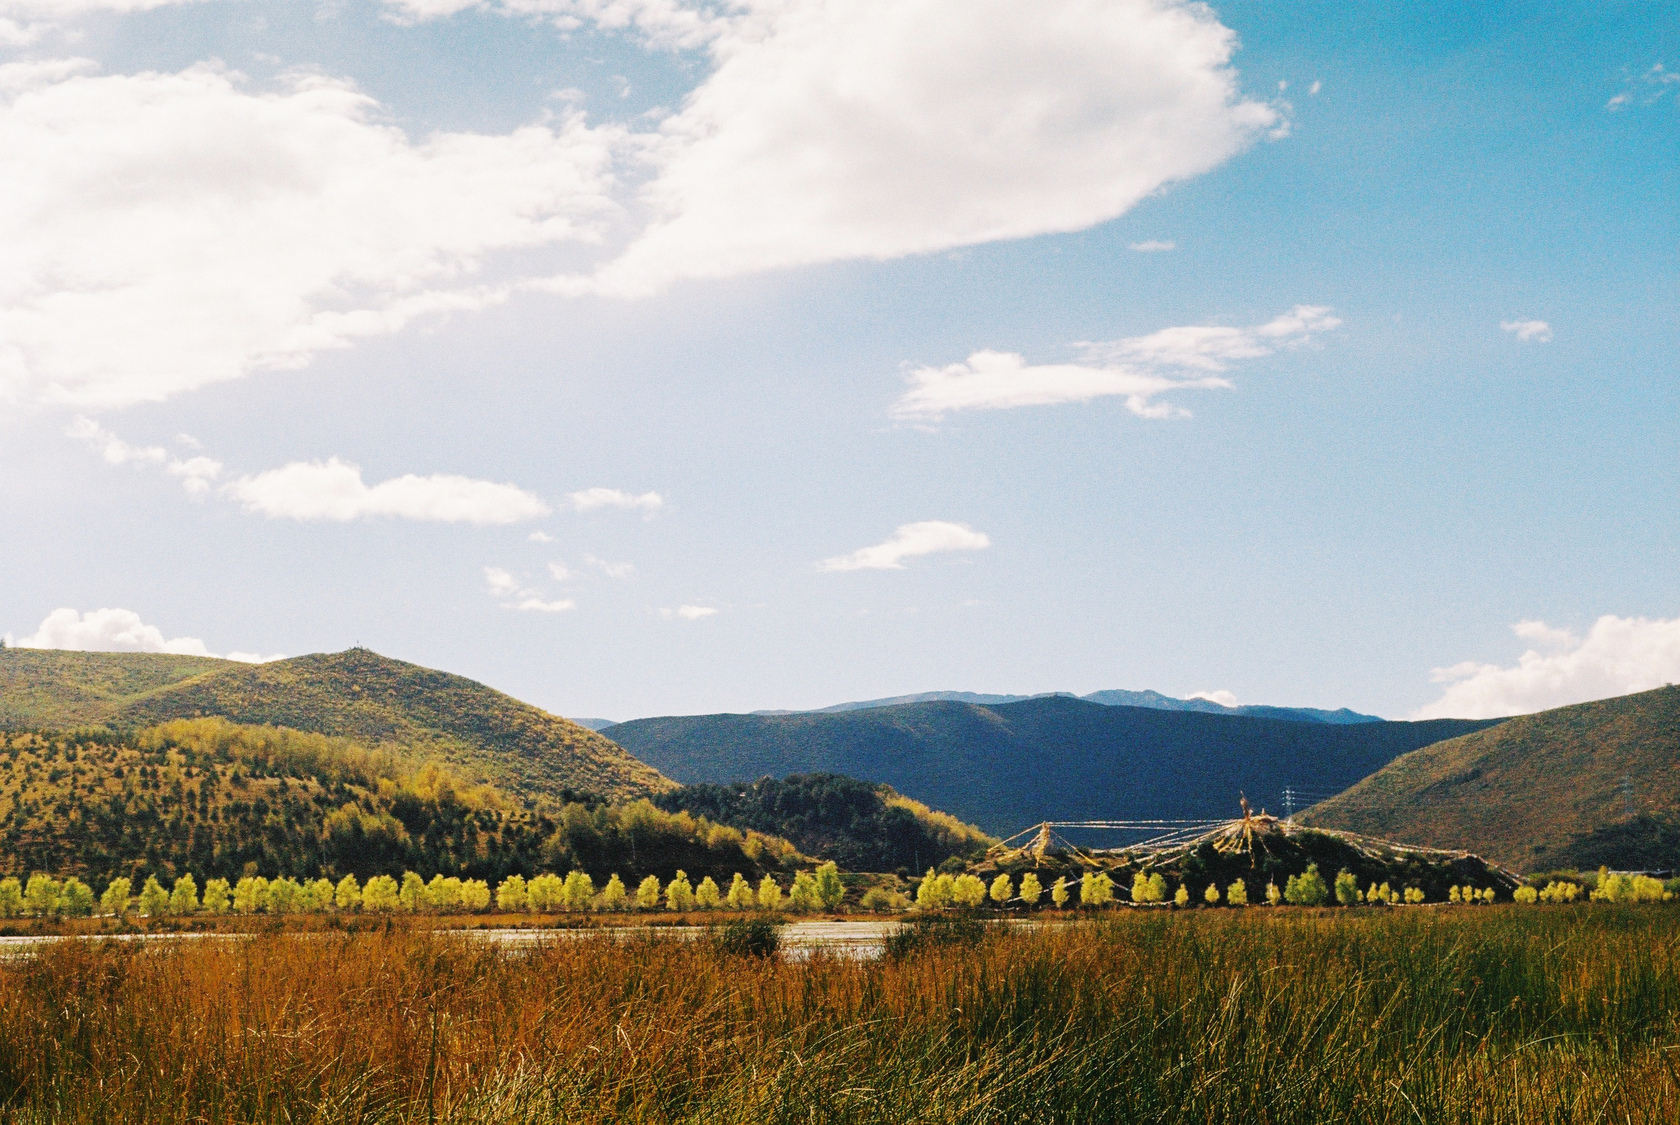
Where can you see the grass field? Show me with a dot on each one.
(1500, 1014)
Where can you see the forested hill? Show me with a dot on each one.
(1582, 786)
(217, 799)
(1007, 766)
(355, 694)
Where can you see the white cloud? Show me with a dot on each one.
(688, 612)
(537, 605)
(591, 499)
(1223, 698)
(502, 584)
(909, 541)
(1138, 368)
(1618, 656)
(1528, 331)
(167, 231)
(560, 572)
(1315, 88)
(194, 473)
(1155, 246)
(334, 490)
(874, 129)
(661, 23)
(1644, 89)
(540, 537)
(611, 569)
(117, 630)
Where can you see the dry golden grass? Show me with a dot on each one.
(1487, 1015)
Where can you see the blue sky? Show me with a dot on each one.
(1390, 425)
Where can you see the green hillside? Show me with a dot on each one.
(1595, 783)
(48, 688)
(1006, 766)
(355, 694)
(218, 799)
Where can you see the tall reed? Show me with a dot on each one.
(1496, 1015)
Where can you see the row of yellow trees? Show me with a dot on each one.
(1305, 889)
(44, 896)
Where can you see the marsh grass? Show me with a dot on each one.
(1487, 1015)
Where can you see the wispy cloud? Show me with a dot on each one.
(194, 473)
(502, 584)
(1528, 331)
(1618, 656)
(910, 541)
(334, 490)
(594, 499)
(117, 630)
(1645, 88)
(1138, 368)
(615, 570)
(689, 612)
(1154, 245)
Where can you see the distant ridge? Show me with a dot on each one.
(1579, 786)
(1113, 697)
(1008, 765)
(356, 694)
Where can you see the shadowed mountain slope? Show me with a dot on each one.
(1595, 783)
(1007, 766)
(354, 694)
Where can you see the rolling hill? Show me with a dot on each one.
(355, 694)
(1595, 783)
(1007, 766)
(219, 799)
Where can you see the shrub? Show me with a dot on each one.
(154, 900)
(380, 895)
(115, 899)
(679, 893)
(926, 931)
(803, 894)
(748, 937)
(935, 891)
(41, 895)
(1211, 895)
(543, 892)
(1525, 895)
(1414, 894)
(217, 896)
(1002, 890)
(1306, 889)
(647, 893)
(740, 896)
(1558, 891)
(511, 896)
(77, 898)
(707, 896)
(348, 894)
(412, 893)
(1237, 893)
(1031, 889)
(968, 891)
(831, 892)
(881, 899)
(183, 899)
(613, 894)
(769, 894)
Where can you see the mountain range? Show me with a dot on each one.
(1112, 697)
(1006, 766)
